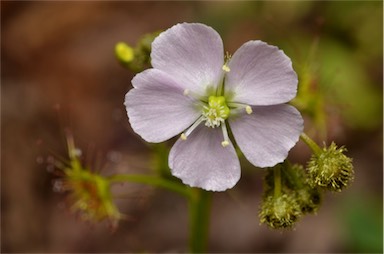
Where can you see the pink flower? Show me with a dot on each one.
(191, 90)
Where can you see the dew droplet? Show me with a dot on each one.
(58, 186)
(77, 152)
(50, 168)
(39, 160)
(50, 159)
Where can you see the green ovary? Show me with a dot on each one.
(216, 112)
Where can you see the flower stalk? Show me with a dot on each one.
(312, 144)
(199, 212)
(153, 181)
(277, 181)
(199, 205)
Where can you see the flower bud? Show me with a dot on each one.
(136, 58)
(331, 169)
(124, 53)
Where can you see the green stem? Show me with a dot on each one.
(160, 160)
(154, 181)
(199, 211)
(314, 147)
(277, 181)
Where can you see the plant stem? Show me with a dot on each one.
(277, 181)
(199, 212)
(314, 147)
(160, 160)
(154, 181)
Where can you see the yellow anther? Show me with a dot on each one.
(226, 68)
(186, 92)
(183, 136)
(225, 143)
(248, 109)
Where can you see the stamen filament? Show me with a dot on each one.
(193, 95)
(220, 88)
(185, 134)
(225, 134)
(226, 69)
(247, 108)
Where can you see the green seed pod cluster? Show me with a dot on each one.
(309, 199)
(296, 198)
(280, 212)
(290, 191)
(331, 169)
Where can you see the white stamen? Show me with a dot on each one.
(248, 109)
(193, 95)
(238, 106)
(184, 135)
(225, 135)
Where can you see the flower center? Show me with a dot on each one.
(216, 112)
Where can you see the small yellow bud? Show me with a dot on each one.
(124, 53)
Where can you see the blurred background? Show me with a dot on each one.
(58, 71)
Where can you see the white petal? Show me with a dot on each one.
(201, 161)
(157, 108)
(266, 135)
(261, 75)
(193, 54)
